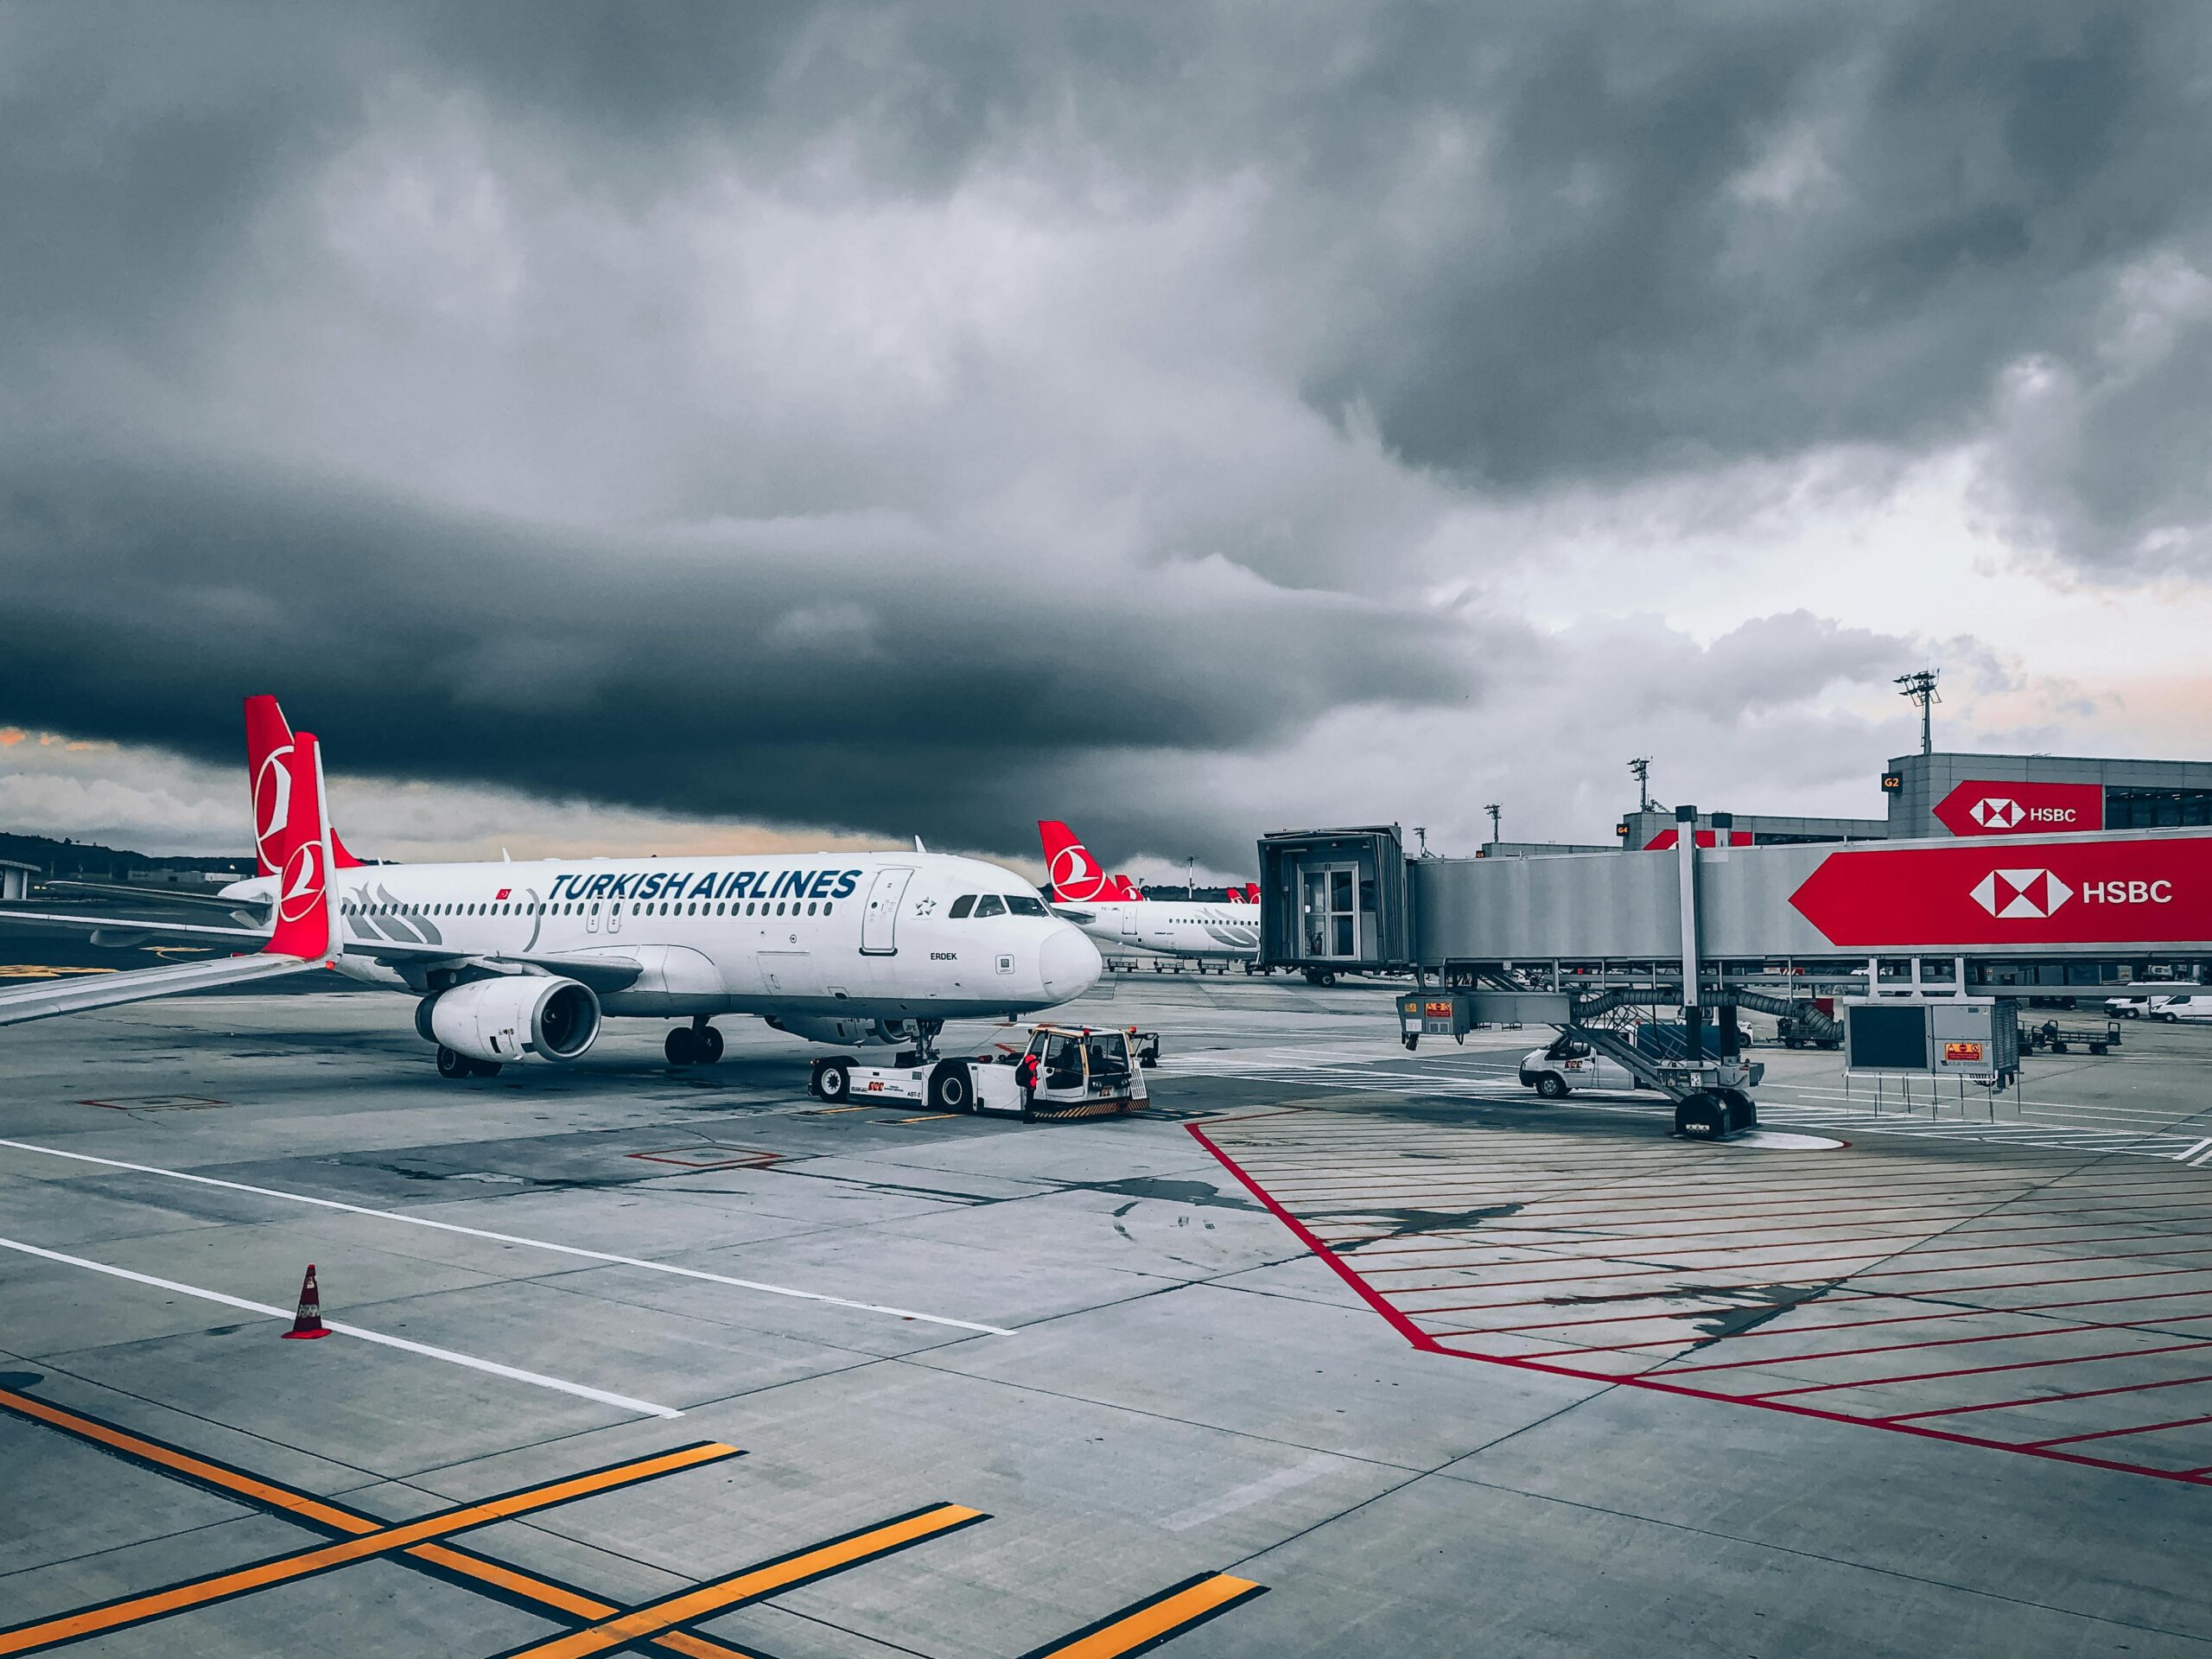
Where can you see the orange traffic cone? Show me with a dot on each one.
(307, 1322)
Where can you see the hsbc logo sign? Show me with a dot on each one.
(1999, 813)
(2030, 895)
(1986, 807)
(2021, 894)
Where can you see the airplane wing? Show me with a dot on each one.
(126, 929)
(305, 938)
(167, 896)
(82, 992)
(601, 971)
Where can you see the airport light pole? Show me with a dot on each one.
(1493, 808)
(1920, 688)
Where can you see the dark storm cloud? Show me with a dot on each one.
(885, 415)
(805, 679)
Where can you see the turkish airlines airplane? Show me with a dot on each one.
(1112, 910)
(524, 960)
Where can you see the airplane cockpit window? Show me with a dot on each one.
(961, 906)
(1022, 905)
(989, 904)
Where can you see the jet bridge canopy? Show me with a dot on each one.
(2022, 910)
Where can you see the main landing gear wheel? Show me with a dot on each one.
(950, 1090)
(710, 1044)
(451, 1064)
(833, 1080)
(483, 1068)
(683, 1047)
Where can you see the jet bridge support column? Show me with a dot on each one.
(1686, 865)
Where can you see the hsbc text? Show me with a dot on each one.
(2127, 893)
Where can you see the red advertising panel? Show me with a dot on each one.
(1705, 838)
(1987, 809)
(2148, 892)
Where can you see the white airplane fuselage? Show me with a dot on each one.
(799, 939)
(1171, 927)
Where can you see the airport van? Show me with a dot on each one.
(1566, 1065)
(2193, 1009)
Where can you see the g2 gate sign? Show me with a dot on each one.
(1976, 808)
(2148, 892)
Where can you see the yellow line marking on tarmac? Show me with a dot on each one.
(1138, 1629)
(511, 1238)
(640, 1624)
(526, 1586)
(642, 1407)
(928, 1117)
(222, 1586)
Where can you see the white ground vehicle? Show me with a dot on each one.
(2129, 1008)
(1066, 1071)
(2182, 1010)
(1557, 1072)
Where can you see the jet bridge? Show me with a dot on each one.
(1721, 927)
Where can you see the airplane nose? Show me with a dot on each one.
(1068, 963)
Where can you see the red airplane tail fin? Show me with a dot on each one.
(268, 770)
(1071, 872)
(1125, 890)
(304, 927)
(1251, 893)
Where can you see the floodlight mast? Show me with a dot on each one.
(1920, 688)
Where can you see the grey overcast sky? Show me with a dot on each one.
(688, 425)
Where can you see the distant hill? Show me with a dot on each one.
(90, 861)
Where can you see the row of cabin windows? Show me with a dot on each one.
(698, 908)
(992, 904)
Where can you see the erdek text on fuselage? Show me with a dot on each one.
(706, 884)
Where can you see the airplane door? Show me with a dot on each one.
(614, 917)
(880, 921)
(1129, 922)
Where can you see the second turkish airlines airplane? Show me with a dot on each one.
(522, 961)
(1113, 911)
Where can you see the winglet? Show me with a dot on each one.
(305, 924)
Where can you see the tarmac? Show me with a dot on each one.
(1333, 1349)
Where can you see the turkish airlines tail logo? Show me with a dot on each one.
(304, 926)
(268, 771)
(1071, 872)
(2017, 895)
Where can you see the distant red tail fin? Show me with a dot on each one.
(304, 927)
(1123, 889)
(268, 770)
(1251, 893)
(1073, 872)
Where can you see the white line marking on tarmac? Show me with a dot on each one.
(1242, 1497)
(623, 1401)
(515, 1238)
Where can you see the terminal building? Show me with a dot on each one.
(1950, 794)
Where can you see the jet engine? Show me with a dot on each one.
(514, 1017)
(849, 1033)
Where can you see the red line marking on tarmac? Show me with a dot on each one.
(1902, 1423)
(1903, 1417)
(2031, 1311)
(1778, 1360)
(1815, 1284)
(2108, 1433)
(1983, 1370)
